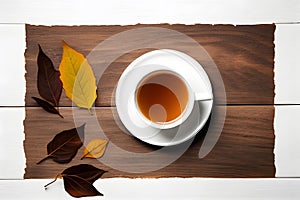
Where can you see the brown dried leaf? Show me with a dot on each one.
(64, 146)
(47, 106)
(78, 187)
(48, 81)
(85, 171)
(78, 180)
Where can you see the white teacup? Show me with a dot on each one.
(159, 112)
(194, 110)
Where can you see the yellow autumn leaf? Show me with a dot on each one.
(77, 77)
(95, 148)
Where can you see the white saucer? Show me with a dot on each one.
(178, 62)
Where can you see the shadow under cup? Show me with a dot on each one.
(162, 97)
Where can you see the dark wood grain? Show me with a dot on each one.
(243, 54)
(245, 147)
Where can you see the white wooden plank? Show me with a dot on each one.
(287, 149)
(12, 65)
(287, 64)
(287, 140)
(12, 42)
(12, 157)
(77, 12)
(197, 188)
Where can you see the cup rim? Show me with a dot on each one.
(179, 119)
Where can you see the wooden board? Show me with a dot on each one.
(244, 56)
(244, 149)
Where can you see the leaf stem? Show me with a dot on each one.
(60, 115)
(90, 111)
(84, 156)
(43, 160)
(57, 108)
(45, 186)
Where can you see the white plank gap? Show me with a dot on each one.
(93, 12)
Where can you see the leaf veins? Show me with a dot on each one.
(79, 179)
(47, 106)
(64, 146)
(48, 81)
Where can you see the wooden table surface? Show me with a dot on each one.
(245, 58)
(15, 14)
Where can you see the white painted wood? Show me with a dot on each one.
(287, 149)
(12, 157)
(287, 64)
(71, 12)
(287, 140)
(197, 188)
(12, 65)
(62, 12)
(12, 46)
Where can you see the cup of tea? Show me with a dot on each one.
(163, 98)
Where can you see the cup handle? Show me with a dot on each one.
(203, 96)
